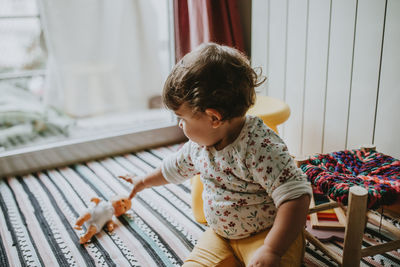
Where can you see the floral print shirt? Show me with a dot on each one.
(244, 183)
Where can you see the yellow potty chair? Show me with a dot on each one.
(273, 112)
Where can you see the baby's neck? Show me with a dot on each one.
(232, 129)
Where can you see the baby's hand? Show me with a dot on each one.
(127, 177)
(138, 184)
(264, 257)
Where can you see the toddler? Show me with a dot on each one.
(255, 198)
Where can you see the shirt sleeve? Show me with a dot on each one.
(179, 166)
(275, 170)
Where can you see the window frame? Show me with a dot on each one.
(28, 73)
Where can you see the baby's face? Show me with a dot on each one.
(198, 128)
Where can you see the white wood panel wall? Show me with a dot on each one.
(337, 64)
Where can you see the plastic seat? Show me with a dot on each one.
(271, 110)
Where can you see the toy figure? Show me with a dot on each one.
(101, 215)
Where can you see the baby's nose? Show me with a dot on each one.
(180, 124)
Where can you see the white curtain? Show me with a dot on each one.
(102, 55)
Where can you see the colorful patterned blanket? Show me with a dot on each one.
(334, 173)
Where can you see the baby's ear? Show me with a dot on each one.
(215, 116)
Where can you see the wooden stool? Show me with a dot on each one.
(354, 222)
(273, 112)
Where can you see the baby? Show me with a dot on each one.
(255, 198)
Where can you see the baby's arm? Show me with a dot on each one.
(176, 168)
(289, 222)
(153, 179)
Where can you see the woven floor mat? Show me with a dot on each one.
(38, 212)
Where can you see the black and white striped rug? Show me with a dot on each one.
(39, 210)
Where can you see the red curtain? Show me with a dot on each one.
(199, 21)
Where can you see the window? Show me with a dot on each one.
(22, 66)
(53, 88)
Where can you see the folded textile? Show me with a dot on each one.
(23, 115)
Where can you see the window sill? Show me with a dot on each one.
(34, 158)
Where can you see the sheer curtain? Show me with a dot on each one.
(102, 55)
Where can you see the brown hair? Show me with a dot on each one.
(212, 76)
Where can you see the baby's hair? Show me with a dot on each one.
(212, 76)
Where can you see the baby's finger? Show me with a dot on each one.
(138, 186)
(127, 178)
(132, 194)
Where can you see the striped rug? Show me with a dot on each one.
(38, 212)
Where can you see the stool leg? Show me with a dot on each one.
(356, 217)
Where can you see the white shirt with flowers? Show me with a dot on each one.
(244, 183)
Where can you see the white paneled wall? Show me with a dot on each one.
(337, 64)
